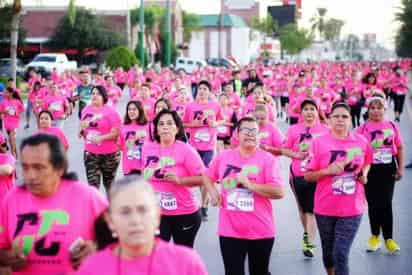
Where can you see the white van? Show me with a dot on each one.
(189, 65)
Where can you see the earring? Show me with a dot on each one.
(114, 235)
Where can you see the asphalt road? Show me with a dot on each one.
(287, 258)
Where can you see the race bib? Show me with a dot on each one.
(90, 135)
(382, 156)
(134, 152)
(11, 111)
(344, 185)
(202, 136)
(55, 106)
(168, 201)
(240, 199)
(303, 164)
(222, 129)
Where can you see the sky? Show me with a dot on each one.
(360, 16)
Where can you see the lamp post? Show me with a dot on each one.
(141, 31)
(168, 33)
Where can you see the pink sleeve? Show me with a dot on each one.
(271, 171)
(5, 242)
(313, 163)
(368, 154)
(193, 162)
(98, 204)
(186, 117)
(398, 137)
(288, 141)
(277, 138)
(213, 169)
(115, 119)
(65, 141)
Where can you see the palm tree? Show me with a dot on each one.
(318, 22)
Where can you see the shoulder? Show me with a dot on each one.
(92, 262)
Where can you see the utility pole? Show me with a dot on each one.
(141, 31)
(168, 34)
(128, 26)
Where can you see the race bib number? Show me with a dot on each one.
(303, 164)
(168, 201)
(90, 135)
(11, 111)
(240, 200)
(222, 129)
(202, 136)
(134, 152)
(344, 185)
(382, 156)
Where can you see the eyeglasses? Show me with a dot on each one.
(249, 131)
(340, 116)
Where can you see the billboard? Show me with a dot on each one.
(283, 14)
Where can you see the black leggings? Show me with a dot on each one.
(355, 112)
(399, 101)
(182, 228)
(379, 194)
(234, 252)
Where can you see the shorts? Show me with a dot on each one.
(226, 140)
(305, 193)
(206, 156)
(284, 100)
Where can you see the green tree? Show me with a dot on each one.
(332, 29)
(191, 23)
(121, 57)
(293, 40)
(87, 32)
(318, 22)
(266, 25)
(6, 14)
(146, 56)
(403, 38)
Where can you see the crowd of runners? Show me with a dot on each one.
(214, 130)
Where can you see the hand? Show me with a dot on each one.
(172, 177)
(362, 179)
(243, 180)
(80, 252)
(398, 174)
(84, 124)
(301, 155)
(198, 122)
(335, 168)
(215, 198)
(15, 259)
(211, 123)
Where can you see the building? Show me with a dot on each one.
(246, 9)
(222, 36)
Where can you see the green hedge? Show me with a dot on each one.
(121, 57)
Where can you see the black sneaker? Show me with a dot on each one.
(408, 166)
(27, 126)
(203, 213)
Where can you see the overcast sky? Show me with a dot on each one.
(360, 16)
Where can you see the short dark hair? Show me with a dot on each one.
(308, 102)
(165, 100)
(340, 104)
(245, 119)
(46, 112)
(103, 92)
(142, 119)
(179, 124)
(206, 83)
(58, 156)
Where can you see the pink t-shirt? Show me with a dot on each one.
(180, 158)
(56, 131)
(269, 135)
(56, 105)
(384, 138)
(114, 93)
(245, 214)
(131, 140)
(101, 122)
(46, 227)
(6, 181)
(11, 110)
(166, 258)
(203, 138)
(339, 195)
(298, 139)
(223, 130)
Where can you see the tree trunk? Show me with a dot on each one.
(14, 34)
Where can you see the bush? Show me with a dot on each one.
(121, 57)
(3, 79)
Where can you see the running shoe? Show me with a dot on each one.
(308, 247)
(392, 247)
(374, 243)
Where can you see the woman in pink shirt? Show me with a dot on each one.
(173, 167)
(249, 179)
(399, 87)
(224, 131)
(100, 128)
(7, 169)
(338, 163)
(57, 104)
(133, 134)
(132, 219)
(45, 126)
(387, 167)
(296, 146)
(11, 107)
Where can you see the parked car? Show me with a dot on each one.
(189, 65)
(46, 62)
(220, 62)
(5, 67)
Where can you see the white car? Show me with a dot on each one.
(47, 62)
(189, 65)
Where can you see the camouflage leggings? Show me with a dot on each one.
(101, 166)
